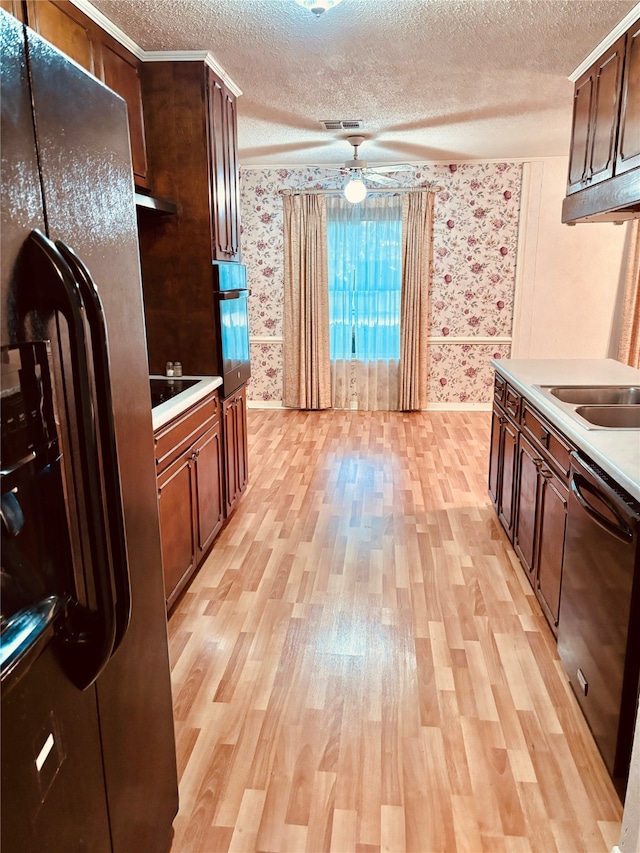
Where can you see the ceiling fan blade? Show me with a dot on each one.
(382, 180)
(391, 167)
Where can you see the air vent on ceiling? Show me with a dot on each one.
(342, 124)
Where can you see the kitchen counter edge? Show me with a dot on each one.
(165, 412)
(617, 452)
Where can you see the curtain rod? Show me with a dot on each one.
(429, 188)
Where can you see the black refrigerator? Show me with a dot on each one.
(88, 747)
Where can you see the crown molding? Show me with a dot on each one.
(193, 56)
(605, 44)
(156, 55)
(102, 21)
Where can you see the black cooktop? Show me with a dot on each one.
(165, 389)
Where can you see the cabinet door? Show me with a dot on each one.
(233, 176)
(508, 476)
(629, 134)
(209, 505)
(241, 440)
(175, 501)
(552, 523)
(235, 448)
(223, 171)
(524, 542)
(230, 455)
(606, 111)
(68, 29)
(579, 151)
(494, 457)
(120, 73)
(15, 8)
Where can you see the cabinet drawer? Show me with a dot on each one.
(512, 401)
(174, 438)
(554, 446)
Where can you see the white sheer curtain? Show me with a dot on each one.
(365, 281)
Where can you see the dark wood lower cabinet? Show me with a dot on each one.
(190, 491)
(509, 477)
(524, 542)
(503, 468)
(235, 442)
(175, 501)
(207, 473)
(528, 473)
(494, 458)
(552, 515)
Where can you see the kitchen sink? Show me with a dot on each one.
(611, 417)
(597, 406)
(597, 395)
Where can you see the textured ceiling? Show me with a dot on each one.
(431, 79)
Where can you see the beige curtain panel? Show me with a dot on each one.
(629, 348)
(307, 379)
(417, 225)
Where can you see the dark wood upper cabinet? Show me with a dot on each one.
(190, 120)
(606, 108)
(602, 183)
(16, 8)
(65, 26)
(595, 120)
(579, 154)
(121, 72)
(629, 141)
(70, 30)
(223, 170)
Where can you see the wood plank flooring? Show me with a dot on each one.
(360, 665)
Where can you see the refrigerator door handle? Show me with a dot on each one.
(107, 437)
(90, 636)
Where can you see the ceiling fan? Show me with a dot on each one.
(357, 169)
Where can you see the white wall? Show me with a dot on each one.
(568, 281)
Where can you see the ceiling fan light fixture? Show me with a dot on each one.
(355, 190)
(317, 7)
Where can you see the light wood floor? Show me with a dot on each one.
(361, 666)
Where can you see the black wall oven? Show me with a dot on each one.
(231, 296)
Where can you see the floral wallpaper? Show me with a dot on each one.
(475, 238)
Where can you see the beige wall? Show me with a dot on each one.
(568, 282)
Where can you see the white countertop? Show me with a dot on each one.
(616, 451)
(166, 412)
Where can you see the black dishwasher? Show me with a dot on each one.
(599, 628)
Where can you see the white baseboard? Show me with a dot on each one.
(431, 407)
(265, 404)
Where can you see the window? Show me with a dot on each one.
(364, 249)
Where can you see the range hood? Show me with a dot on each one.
(616, 199)
(155, 204)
